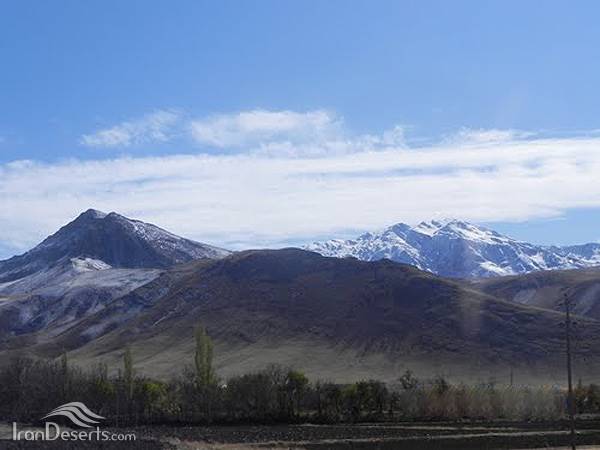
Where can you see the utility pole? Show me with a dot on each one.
(570, 399)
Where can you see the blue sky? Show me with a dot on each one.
(120, 93)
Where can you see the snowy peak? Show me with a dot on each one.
(92, 214)
(456, 248)
(433, 226)
(96, 239)
(460, 229)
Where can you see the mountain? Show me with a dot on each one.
(111, 239)
(57, 298)
(338, 319)
(84, 266)
(104, 282)
(548, 289)
(588, 253)
(458, 249)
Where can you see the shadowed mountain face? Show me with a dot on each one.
(547, 290)
(335, 318)
(84, 266)
(112, 239)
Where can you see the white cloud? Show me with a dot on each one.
(260, 132)
(251, 128)
(478, 136)
(257, 130)
(153, 127)
(289, 134)
(252, 198)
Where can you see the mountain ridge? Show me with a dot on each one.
(458, 249)
(291, 306)
(85, 265)
(338, 318)
(113, 239)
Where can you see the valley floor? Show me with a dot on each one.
(381, 436)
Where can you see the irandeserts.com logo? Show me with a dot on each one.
(81, 416)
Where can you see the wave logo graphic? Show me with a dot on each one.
(77, 412)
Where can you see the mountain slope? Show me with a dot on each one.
(547, 290)
(57, 298)
(112, 239)
(458, 249)
(589, 253)
(335, 318)
(85, 265)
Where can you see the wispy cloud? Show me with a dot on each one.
(478, 136)
(156, 126)
(252, 128)
(259, 131)
(254, 198)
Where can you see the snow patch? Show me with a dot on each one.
(455, 248)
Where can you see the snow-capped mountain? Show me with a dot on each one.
(588, 253)
(113, 241)
(83, 267)
(459, 249)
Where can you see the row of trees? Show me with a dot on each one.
(31, 388)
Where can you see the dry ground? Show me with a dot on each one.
(415, 436)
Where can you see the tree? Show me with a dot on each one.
(128, 374)
(102, 389)
(205, 375)
(379, 395)
(153, 398)
(408, 381)
(333, 401)
(252, 397)
(440, 385)
(64, 371)
(352, 401)
(296, 384)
